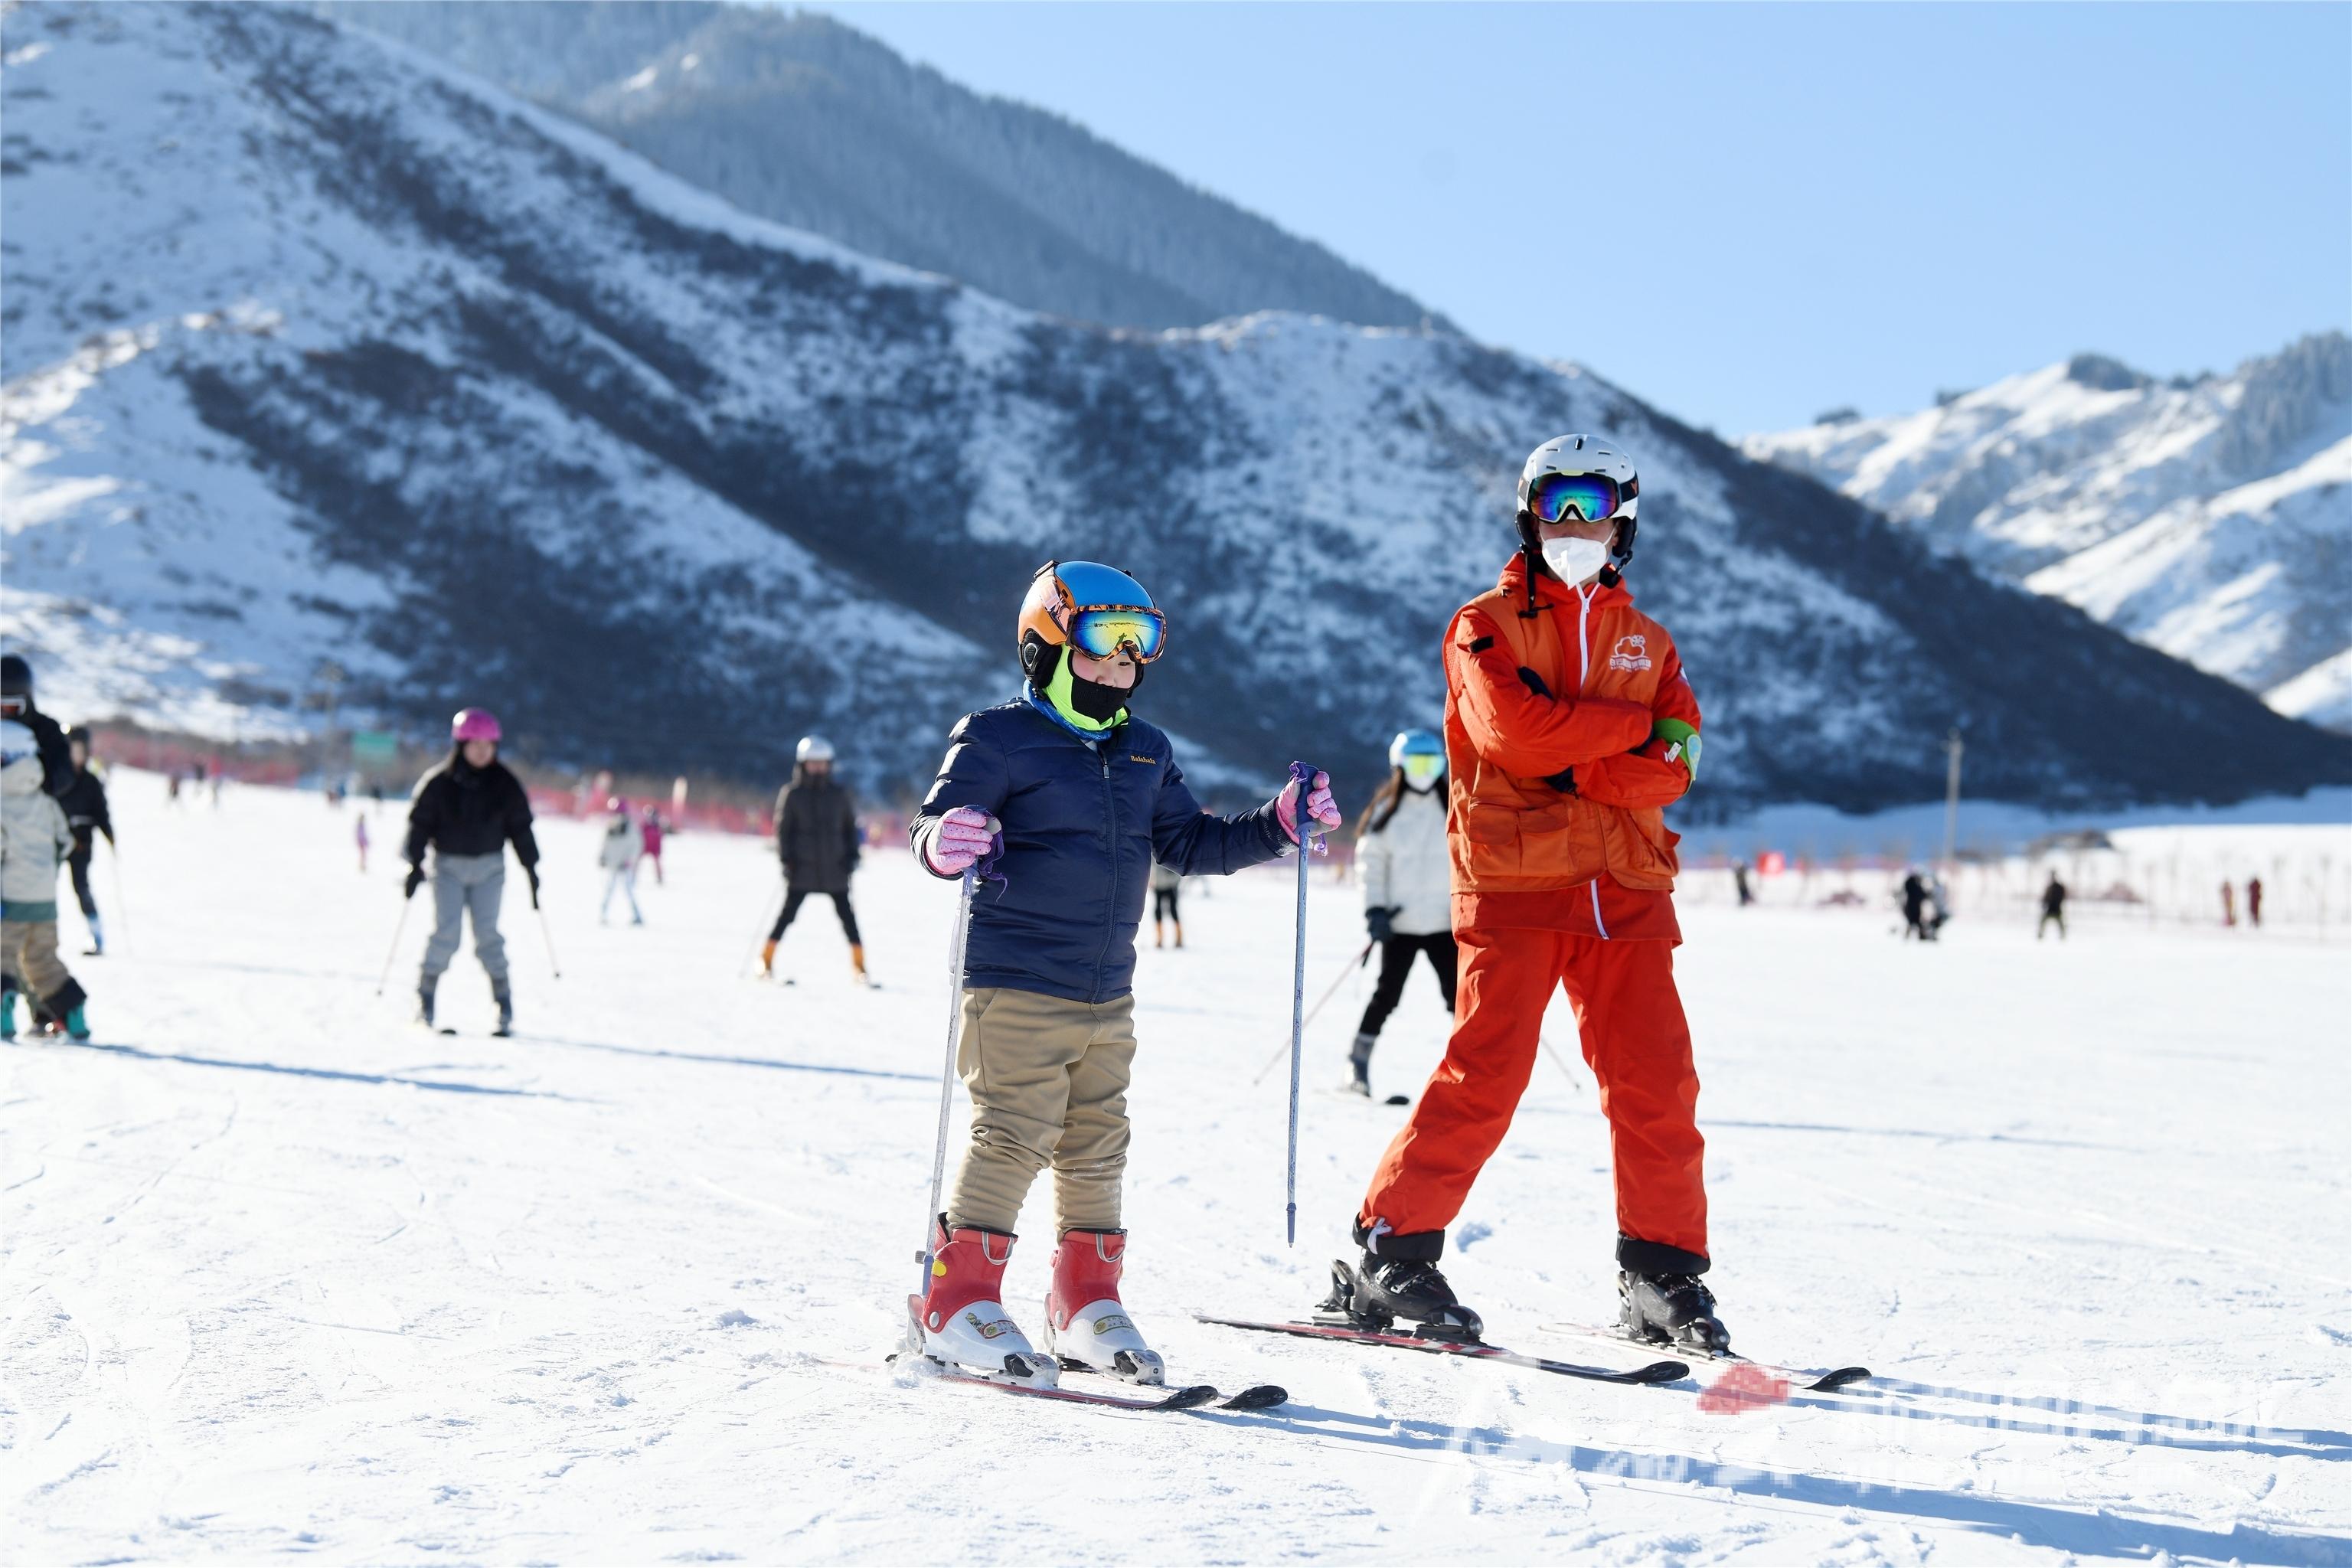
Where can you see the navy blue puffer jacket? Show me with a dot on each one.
(1082, 820)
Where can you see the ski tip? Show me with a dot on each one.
(1660, 1372)
(1399, 1099)
(1844, 1377)
(1264, 1397)
(1191, 1398)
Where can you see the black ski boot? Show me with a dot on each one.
(1359, 1066)
(1674, 1309)
(505, 999)
(1375, 1293)
(425, 1004)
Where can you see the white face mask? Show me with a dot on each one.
(1573, 560)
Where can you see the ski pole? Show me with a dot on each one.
(947, 1075)
(1560, 1062)
(398, 926)
(122, 906)
(1356, 963)
(767, 923)
(1303, 777)
(548, 937)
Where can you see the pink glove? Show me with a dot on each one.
(964, 835)
(1320, 807)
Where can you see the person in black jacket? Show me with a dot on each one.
(86, 813)
(48, 738)
(467, 811)
(817, 840)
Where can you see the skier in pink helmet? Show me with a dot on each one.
(467, 811)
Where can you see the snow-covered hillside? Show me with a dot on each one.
(2211, 518)
(287, 1277)
(321, 353)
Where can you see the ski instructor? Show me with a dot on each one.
(467, 811)
(1568, 726)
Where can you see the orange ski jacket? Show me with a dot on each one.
(1549, 735)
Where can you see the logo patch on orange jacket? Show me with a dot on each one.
(1631, 652)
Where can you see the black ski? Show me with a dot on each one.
(1812, 1382)
(1193, 1396)
(1474, 1350)
(1258, 1396)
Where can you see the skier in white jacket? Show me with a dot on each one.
(1401, 858)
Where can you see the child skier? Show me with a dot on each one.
(1074, 798)
(1167, 904)
(33, 839)
(1568, 725)
(1401, 858)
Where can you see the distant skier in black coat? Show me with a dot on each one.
(467, 811)
(48, 738)
(818, 844)
(1915, 908)
(84, 801)
(2053, 907)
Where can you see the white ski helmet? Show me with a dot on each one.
(1577, 457)
(813, 749)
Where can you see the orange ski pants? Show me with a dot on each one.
(1637, 1044)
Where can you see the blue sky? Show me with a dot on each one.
(1748, 213)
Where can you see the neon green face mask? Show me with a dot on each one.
(1421, 769)
(1058, 692)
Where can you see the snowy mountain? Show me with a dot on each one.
(320, 350)
(2208, 518)
(795, 117)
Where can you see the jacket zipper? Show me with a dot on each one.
(1584, 673)
(1110, 846)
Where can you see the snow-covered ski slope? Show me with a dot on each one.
(2210, 519)
(284, 1275)
(320, 350)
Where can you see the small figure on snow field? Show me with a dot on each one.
(34, 840)
(818, 846)
(650, 835)
(2053, 909)
(1570, 726)
(84, 801)
(1401, 857)
(623, 846)
(1072, 798)
(1167, 903)
(467, 811)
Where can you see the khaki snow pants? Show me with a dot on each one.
(28, 952)
(1048, 1080)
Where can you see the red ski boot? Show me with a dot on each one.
(1084, 1319)
(961, 1316)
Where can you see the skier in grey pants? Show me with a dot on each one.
(467, 811)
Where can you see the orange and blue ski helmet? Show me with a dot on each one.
(1097, 610)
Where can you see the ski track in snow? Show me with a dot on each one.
(284, 1274)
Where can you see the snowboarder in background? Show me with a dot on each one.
(618, 855)
(651, 835)
(33, 839)
(1740, 883)
(84, 802)
(1166, 902)
(1915, 907)
(56, 755)
(359, 833)
(2255, 902)
(467, 811)
(817, 845)
(1401, 858)
(1570, 726)
(1077, 797)
(2053, 907)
